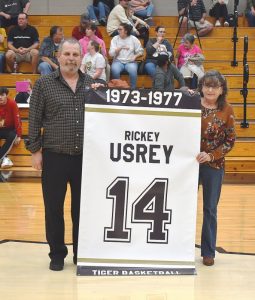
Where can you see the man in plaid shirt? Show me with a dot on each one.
(57, 106)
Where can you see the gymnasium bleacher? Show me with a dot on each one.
(218, 51)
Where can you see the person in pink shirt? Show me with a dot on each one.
(91, 36)
(189, 60)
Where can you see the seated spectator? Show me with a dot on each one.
(10, 9)
(125, 49)
(165, 74)
(23, 44)
(141, 26)
(49, 50)
(10, 126)
(219, 10)
(80, 31)
(189, 60)
(2, 49)
(250, 12)
(143, 9)
(154, 47)
(117, 16)
(93, 63)
(197, 15)
(91, 36)
(100, 8)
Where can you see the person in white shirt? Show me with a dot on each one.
(125, 48)
(93, 62)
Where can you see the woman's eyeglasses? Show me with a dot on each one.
(213, 87)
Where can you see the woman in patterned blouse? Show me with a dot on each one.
(217, 139)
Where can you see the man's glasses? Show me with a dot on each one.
(161, 31)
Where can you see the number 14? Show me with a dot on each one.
(149, 207)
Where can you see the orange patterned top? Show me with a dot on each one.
(217, 133)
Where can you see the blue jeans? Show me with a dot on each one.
(44, 68)
(2, 62)
(102, 10)
(117, 68)
(251, 19)
(150, 68)
(145, 13)
(211, 180)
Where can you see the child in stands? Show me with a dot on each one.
(10, 126)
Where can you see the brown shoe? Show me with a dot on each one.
(208, 261)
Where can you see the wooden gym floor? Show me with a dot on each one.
(24, 270)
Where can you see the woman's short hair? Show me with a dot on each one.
(189, 37)
(95, 45)
(4, 90)
(214, 78)
(127, 27)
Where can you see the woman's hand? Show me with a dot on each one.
(203, 157)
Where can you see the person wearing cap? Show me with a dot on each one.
(100, 8)
(165, 74)
(117, 16)
(10, 126)
(79, 32)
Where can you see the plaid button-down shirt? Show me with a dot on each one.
(60, 112)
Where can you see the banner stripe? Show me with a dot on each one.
(142, 112)
(132, 261)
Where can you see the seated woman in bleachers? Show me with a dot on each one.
(80, 31)
(165, 74)
(250, 12)
(189, 59)
(154, 47)
(91, 36)
(100, 8)
(2, 49)
(93, 63)
(219, 10)
(125, 48)
(143, 9)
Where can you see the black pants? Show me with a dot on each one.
(219, 11)
(9, 135)
(58, 171)
(8, 22)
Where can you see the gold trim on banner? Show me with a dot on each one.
(142, 112)
(131, 261)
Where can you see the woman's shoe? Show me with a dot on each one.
(208, 261)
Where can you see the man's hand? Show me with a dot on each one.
(97, 85)
(37, 160)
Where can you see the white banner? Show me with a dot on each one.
(139, 183)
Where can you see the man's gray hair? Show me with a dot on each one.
(72, 41)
